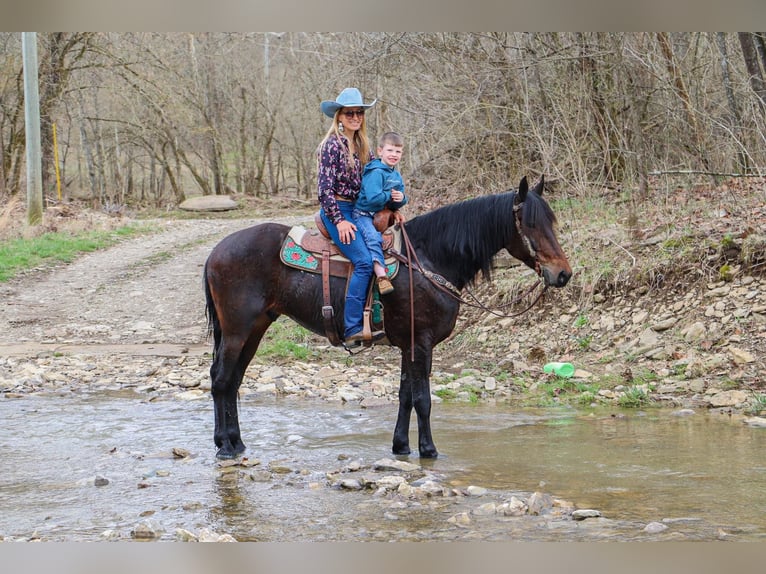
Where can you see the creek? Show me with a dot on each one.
(92, 466)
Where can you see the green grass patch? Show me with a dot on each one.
(18, 255)
(474, 393)
(757, 405)
(287, 340)
(633, 398)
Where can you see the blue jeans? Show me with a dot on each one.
(359, 255)
(372, 237)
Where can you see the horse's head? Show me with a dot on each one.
(538, 246)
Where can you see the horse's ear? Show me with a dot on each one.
(523, 188)
(540, 185)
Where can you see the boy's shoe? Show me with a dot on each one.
(358, 337)
(384, 285)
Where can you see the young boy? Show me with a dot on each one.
(382, 186)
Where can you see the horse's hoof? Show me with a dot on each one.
(223, 454)
(401, 450)
(230, 452)
(429, 453)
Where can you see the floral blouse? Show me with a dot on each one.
(335, 177)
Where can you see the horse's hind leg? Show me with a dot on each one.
(226, 378)
(229, 365)
(415, 391)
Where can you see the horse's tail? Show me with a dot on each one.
(213, 324)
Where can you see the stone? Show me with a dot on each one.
(350, 484)
(462, 519)
(486, 509)
(583, 513)
(655, 528)
(728, 398)
(514, 507)
(757, 422)
(387, 464)
(209, 203)
(540, 503)
(390, 482)
(695, 332)
(741, 356)
(664, 325)
(476, 490)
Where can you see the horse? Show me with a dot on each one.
(247, 288)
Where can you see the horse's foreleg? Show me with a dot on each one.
(415, 391)
(402, 430)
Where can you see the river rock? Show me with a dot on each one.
(350, 484)
(655, 528)
(486, 509)
(758, 422)
(146, 530)
(583, 513)
(390, 482)
(514, 507)
(540, 503)
(462, 519)
(476, 490)
(387, 464)
(728, 398)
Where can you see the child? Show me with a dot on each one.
(382, 186)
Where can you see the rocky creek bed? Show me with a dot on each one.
(130, 320)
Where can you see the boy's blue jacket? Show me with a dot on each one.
(378, 180)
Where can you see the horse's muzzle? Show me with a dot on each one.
(553, 279)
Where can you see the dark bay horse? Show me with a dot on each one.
(247, 288)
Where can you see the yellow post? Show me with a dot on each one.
(56, 162)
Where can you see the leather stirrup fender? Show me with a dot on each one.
(327, 310)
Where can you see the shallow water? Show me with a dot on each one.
(703, 475)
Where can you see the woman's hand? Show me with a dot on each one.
(346, 231)
(399, 217)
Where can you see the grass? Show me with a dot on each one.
(21, 254)
(285, 339)
(757, 405)
(633, 398)
(473, 393)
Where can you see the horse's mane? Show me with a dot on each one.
(462, 239)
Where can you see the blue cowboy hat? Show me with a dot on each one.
(348, 98)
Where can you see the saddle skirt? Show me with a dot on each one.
(302, 249)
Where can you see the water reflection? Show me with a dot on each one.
(702, 473)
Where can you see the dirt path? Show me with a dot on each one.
(137, 294)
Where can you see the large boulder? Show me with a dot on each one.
(209, 203)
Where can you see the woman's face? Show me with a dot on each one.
(351, 119)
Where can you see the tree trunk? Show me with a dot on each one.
(750, 54)
(683, 94)
(737, 132)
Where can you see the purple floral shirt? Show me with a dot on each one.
(335, 177)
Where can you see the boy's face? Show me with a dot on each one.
(390, 154)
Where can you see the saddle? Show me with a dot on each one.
(312, 250)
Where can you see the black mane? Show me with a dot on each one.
(460, 240)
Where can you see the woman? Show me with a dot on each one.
(342, 155)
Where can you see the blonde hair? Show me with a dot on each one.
(361, 141)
